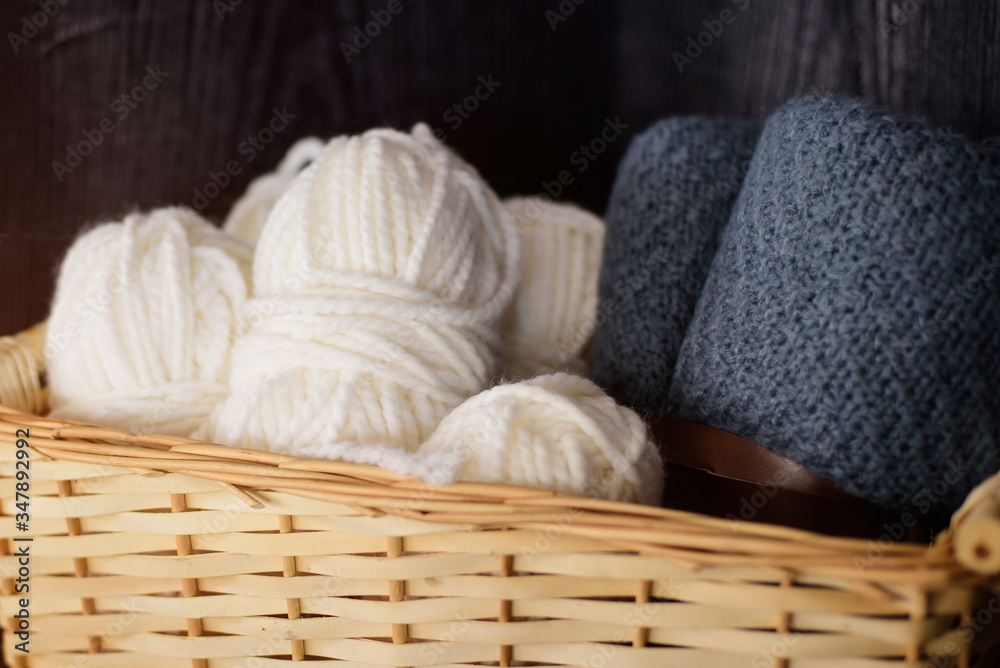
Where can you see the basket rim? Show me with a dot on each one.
(686, 537)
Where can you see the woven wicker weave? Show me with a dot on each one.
(160, 551)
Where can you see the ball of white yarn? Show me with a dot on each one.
(247, 217)
(142, 323)
(555, 308)
(559, 432)
(379, 281)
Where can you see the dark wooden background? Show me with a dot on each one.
(229, 69)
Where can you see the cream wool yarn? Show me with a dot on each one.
(555, 307)
(559, 432)
(379, 279)
(142, 323)
(248, 215)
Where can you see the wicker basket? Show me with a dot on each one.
(159, 551)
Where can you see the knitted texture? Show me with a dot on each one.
(671, 199)
(552, 315)
(379, 282)
(142, 323)
(248, 215)
(557, 432)
(851, 318)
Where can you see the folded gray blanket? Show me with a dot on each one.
(673, 194)
(851, 317)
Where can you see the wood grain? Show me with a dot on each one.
(229, 70)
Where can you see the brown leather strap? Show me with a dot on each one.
(718, 473)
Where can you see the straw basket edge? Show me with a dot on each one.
(167, 551)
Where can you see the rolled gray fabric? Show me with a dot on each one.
(673, 195)
(851, 317)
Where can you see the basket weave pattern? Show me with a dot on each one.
(160, 551)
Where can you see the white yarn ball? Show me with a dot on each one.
(379, 281)
(247, 217)
(559, 432)
(142, 323)
(555, 308)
